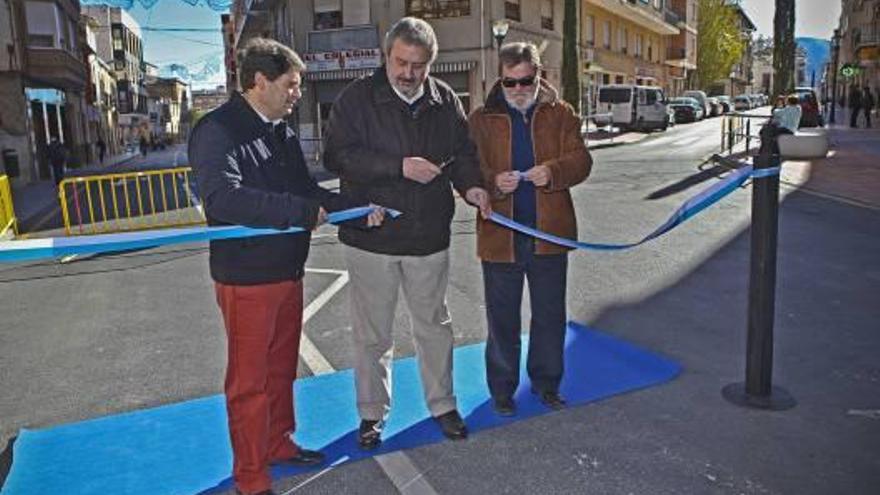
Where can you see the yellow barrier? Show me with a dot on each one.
(7, 212)
(149, 199)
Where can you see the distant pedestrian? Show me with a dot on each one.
(102, 149)
(57, 158)
(855, 105)
(867, 105)
(786, 120)
(145, 146)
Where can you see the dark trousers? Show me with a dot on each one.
(770, 138)
(854, 116)
(263, 327)
(868, 117)
(503, 285)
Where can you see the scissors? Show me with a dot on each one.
(446, 162)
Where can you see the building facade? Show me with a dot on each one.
(644, 42)
(859, 46)
(169, 109)
(341, 40)
(119, 43)
(101, 94)
(43, 78)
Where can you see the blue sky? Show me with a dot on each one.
(813, 18)
(163, 48)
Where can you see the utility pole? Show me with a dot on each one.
(784, 47)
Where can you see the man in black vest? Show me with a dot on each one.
(251, 171)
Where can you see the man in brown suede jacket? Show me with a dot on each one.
(531, 152)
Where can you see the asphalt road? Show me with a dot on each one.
(122, 332)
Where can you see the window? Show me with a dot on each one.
(42, 24)
(658, 4)
(512, 10)
(650, 51)
(639, 40)
(328, 14)
(547, 14)
(606, 79)
(606, 35)
(622, 37)
(590, 30)
(436, 9)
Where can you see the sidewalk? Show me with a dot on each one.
(850, 172)
(34, 200)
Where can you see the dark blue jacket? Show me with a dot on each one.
(253, 175)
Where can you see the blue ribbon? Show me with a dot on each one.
(691, 207)
(28, 250)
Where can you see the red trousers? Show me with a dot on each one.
(263, 327)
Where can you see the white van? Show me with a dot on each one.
(632, 107)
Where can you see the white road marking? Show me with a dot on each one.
(405, 476)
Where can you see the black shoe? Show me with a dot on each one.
(550, 399)
(303, 458)
(504, 406)
(370, 434)
(452, 425)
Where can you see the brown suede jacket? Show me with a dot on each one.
(557, 143)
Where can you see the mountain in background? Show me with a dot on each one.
(818, 53)
(206, 72)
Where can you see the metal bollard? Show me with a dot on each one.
(748, 134)
(758, 390)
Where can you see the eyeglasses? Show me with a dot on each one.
(509, 82)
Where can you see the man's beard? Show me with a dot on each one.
(527, 103)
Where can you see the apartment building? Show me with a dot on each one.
(119, 43)
(859, 45)
(42, 82)
(646, 42)
(341, 40)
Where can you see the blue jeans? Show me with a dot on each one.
(503, 285)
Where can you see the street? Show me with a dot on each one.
(121, 332)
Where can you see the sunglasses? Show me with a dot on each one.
(509, 82)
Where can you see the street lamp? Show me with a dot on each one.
(499, 31)
(835, 47)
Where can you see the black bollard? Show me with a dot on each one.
(758, 390)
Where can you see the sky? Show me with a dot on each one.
(162, 47)
(813, 18)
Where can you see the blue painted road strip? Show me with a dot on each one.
(184, 448)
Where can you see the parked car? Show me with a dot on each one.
(686, 109)
(742, 103)
(633, 107)
(700, 96)
(810, 113)
(726, 103)
(715, 108)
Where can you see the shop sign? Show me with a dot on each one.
(359, 58)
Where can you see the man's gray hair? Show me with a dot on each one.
(517, 52)
(412, 31)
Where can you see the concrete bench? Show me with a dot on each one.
(805, 143)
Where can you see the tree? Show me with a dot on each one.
(784, 47)
(571, 64)
(719, 42)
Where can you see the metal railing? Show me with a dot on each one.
(8, 222)
(149, 199)
(737, 128)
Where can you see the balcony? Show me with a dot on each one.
(56, 67)
(643, 16)
(678, 57)
(865, 36)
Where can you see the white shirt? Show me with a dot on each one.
(265, 119)
(410, 101)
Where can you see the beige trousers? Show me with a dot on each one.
(376, 280)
